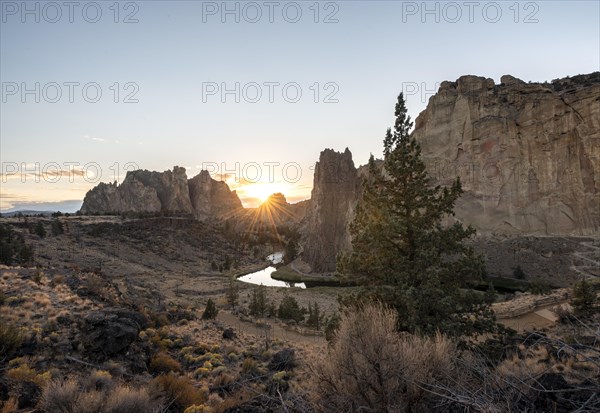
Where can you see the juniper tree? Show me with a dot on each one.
(584, 298)
(210, 311)
(405, 253)
(258, 302)
(233, 294)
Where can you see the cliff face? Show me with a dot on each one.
(210, 197)
(334, 195)
(169, 191)
(131, 195)
(528, 155)
(171, 188)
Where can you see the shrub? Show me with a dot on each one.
(163, 363)
(128, 400)
(373, 367)
(10, 406)
(210, 311)
(179, 391)
(99, 380)
(539, 287)
(12, 247)
(290, 310)
(89, 402)
(249, 366)
(68, 397)
(60, 396)
(11, 339)
(198, 409)
(332, 323)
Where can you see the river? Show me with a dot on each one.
(263, 277)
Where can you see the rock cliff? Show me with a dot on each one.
(528, 155)
(336, 185)
(169, 191)
(171, 188)
(210, 197)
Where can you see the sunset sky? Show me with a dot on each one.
(88, 92)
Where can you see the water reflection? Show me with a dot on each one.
(263, 277)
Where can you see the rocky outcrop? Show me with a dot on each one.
(171, 188)
(528, 154)
(110, 331)
(334, 195)
(169, 191)
(130, 196)
(210, 197)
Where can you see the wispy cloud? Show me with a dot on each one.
(50, 175)
(93, 138)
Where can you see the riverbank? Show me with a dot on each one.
(288, 274)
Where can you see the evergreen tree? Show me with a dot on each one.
(258, 303)
(291, 251)
(57, 227)
(210, 311)
(40, 230)
(584, 298)
(227, 263)
(233, 294)
(315, 318)
(289, 309)
(404, 254)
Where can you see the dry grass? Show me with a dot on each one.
(179, 391)
(163, 363)
(127, 400)
(373, 368)
(10, 406)
(69, 397)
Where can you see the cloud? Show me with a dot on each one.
(46, 174)
(95, 139)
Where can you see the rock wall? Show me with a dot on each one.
(528, 154)
(336, 184)
(169, 191)
(210, 197)
(171, 188)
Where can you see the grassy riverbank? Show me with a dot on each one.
(287, 274)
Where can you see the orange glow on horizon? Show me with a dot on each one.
(254, 194)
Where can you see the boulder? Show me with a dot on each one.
(110, 331)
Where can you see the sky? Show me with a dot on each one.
(251, 91)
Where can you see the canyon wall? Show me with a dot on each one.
(528, 155)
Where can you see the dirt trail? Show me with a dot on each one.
(271, 329)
